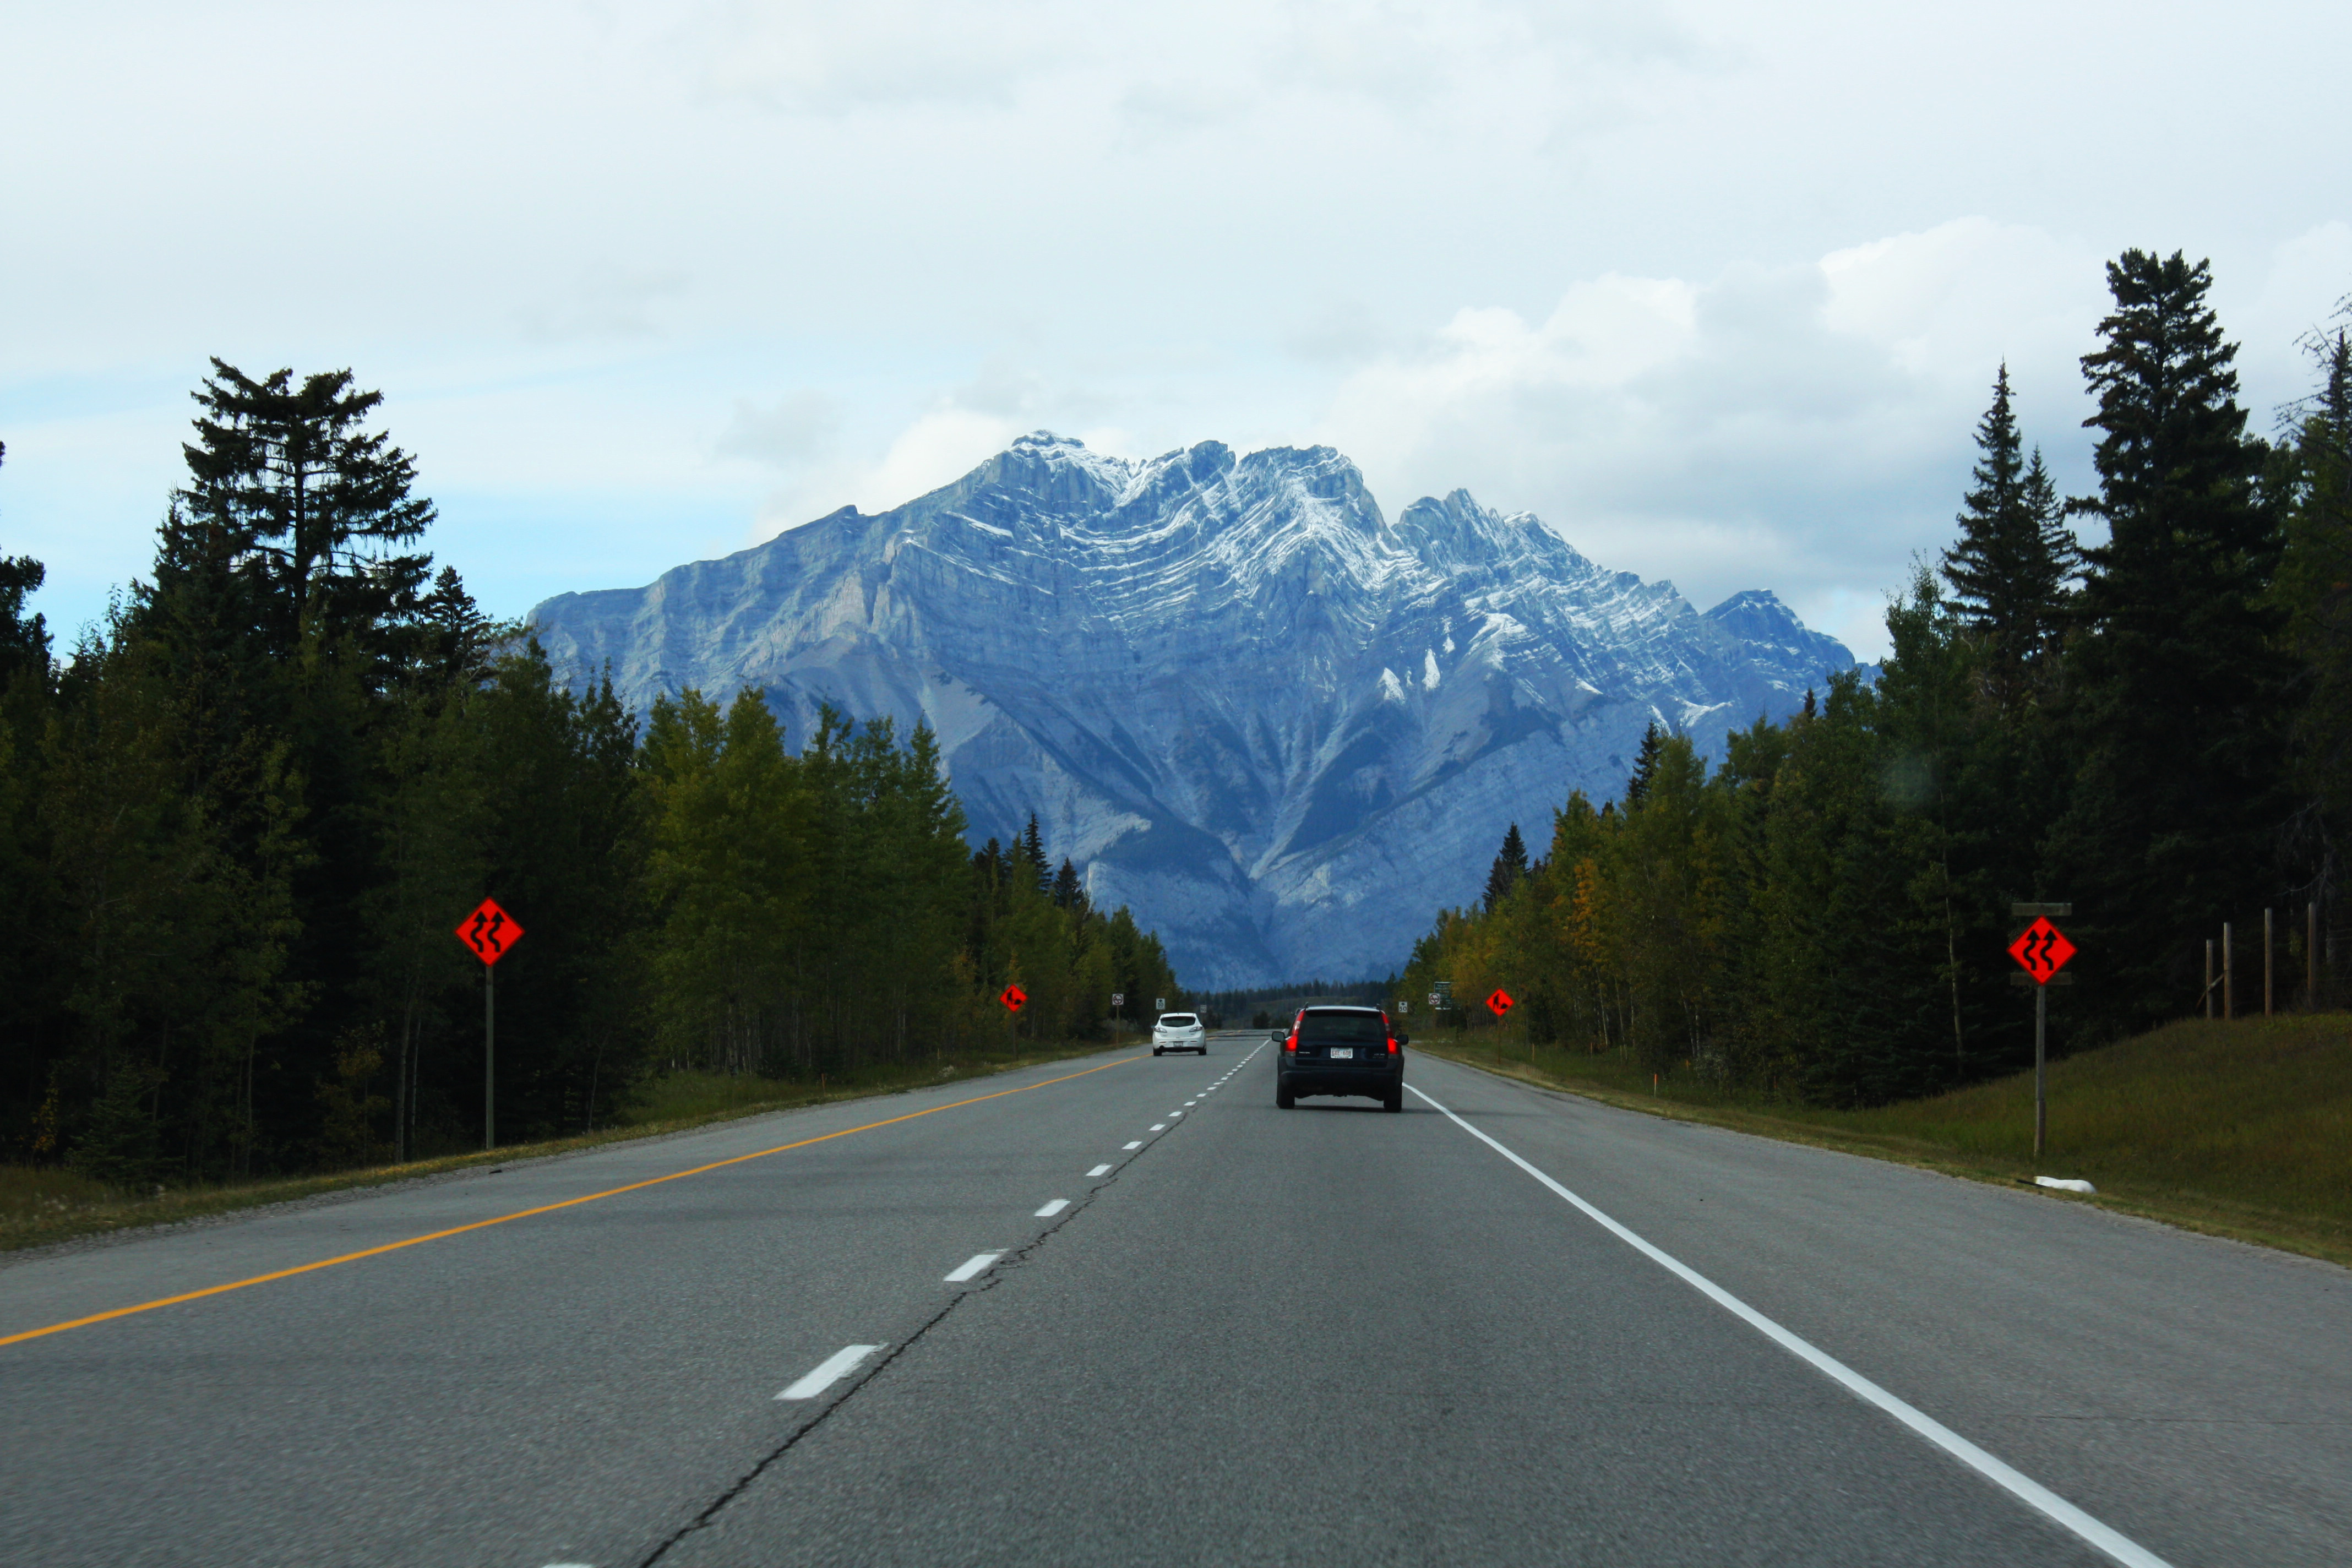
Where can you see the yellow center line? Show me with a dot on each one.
(543, 1208)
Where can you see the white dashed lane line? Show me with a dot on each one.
(847, 1359)
(836, 1367)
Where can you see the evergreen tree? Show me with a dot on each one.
(1510, 865)
(1069, 893)
(312, 510)
(1032, 854)
(2315, 592)
(2009, 568)
(24, 641)
(2173, 824)
(1645, 760)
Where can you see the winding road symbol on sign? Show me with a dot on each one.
(489, 932)
(1499, 1003)
(2041, 951)
(1013, 998)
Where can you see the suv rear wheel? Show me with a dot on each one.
(1283, 1099)
(1392, 1100)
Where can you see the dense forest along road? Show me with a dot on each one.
(1123, 1309)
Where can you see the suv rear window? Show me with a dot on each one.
(1342, 1028)
(1177, 1020)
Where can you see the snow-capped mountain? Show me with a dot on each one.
(1282, 727)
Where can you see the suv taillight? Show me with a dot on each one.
(1393, 1045)
(1291, 1043)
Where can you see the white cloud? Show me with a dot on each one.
(1798, 429)
(799, 427)
(1696, 278)
(937, 449)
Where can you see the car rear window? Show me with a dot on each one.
(1343, 1028)
(1179, 1020)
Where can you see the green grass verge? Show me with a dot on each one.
(39, 1205)
(2241, 1130)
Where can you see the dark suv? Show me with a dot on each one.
(1340, 1050)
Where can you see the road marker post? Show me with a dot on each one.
(1498, 1004)
(2270, 949)
(491, 933)
(2040, 949)
(2311, 956)
(2228, 977)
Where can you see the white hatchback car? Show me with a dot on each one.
(1179, 1032)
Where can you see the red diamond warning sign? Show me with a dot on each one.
(1499, 1003)
(1013, 998)
(489, 930)
(2041, 951)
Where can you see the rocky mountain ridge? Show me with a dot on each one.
(1280, 726)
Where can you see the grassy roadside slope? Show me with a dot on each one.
(2241, 1130)
(40, 1206)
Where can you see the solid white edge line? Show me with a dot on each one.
(976, 1264)
(1050, 1210)
(2031, 1492)
(828, 1372)
(1101, 1170)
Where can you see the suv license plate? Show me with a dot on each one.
(1343, 1053)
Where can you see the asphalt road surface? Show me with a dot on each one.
(1124, 1310)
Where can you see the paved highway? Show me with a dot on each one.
(1124, 1310)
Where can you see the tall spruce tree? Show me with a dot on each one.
(314, 510)
(1510, 865)
(2010, 566)
(1645, 760)
(1033, 851)
(2173, 824)
(2315, 592)
(288, 612)
(24, 640)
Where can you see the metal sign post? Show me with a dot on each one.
(2042, 950)
(491, 933)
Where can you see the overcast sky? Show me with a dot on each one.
(1716, 289)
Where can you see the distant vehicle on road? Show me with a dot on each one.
(1340, 1050)
(1179, 1032)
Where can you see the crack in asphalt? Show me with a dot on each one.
(984, 1283)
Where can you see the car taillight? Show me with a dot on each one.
(1393, 1045)
(1291, 1043)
